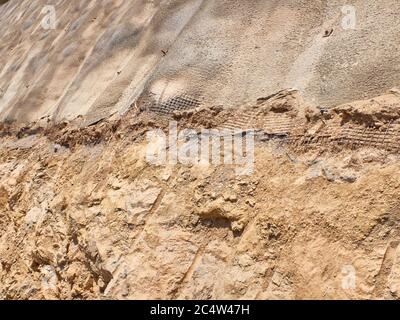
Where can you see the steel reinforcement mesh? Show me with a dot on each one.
(178, 103)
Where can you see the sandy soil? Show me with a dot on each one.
(104, 55)
(84, 215)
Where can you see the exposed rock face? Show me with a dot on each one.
(102, 55)
(84, 215)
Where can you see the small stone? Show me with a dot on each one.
(328, 175)
(251, 203)
(349, 179)
(166, 175)
(230, 197)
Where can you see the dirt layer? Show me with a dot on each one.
(83, 215)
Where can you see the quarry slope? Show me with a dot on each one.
(104, 55)
(84, 215)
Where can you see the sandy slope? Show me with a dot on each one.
(84, 215)
(103, 55)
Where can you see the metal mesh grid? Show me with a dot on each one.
(177, 103)
(349, 136)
